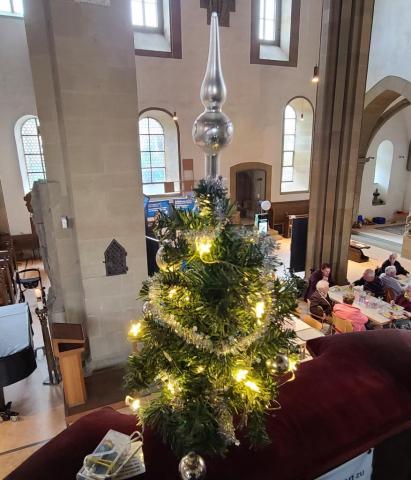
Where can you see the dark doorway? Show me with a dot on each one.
(251, 190)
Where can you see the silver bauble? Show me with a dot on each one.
(282, 363)
(192, 467)
(161, 263)
(212, 131)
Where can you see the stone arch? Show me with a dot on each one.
(384, 100)
(379, 107)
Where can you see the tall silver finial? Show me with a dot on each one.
(213, 130)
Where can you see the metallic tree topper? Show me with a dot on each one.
(213, 129)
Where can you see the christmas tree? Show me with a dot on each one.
(213, 341)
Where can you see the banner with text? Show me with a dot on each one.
(358, 468)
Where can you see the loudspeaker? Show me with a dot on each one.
(299, 244)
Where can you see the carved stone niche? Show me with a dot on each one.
(223, 9)
(115, 259)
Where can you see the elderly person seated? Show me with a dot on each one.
(390, 282)
(324, 273)
(404, 300)
(320, 303)
(346, 311)
(371, 283)
(392, 261)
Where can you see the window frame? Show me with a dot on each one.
(288, 151)
(277, 28)
(181, 180)
(160, 19)
(12, 13)
(175, 34)
(255, 42)
(21, 152)
(149, 135)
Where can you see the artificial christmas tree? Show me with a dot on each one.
(212, 334)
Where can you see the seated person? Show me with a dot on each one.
(404, 300)
(371, 283)
(320, 303)
(389, 281)
(324, 273)
(392, 260)
(353, 314)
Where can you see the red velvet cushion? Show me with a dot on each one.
(350, 397)
(63, 456)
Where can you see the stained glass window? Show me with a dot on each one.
(152, 151)
(32, 149)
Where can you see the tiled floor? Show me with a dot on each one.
(41, 407)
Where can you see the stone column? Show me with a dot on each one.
(83, 65)
(345, 42)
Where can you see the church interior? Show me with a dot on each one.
(205, 239)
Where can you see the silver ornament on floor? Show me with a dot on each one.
(192, 467)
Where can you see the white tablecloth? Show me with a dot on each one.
(14, 329)
(374, 314)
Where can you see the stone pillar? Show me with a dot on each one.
(83, 64)
(345, 42)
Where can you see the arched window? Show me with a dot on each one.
(296, 154)
(383, 166)
(290, 120)
(30, 151)
(159, 153)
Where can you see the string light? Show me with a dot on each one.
(200, 369)
(203, 245)
(240, 375)
(133, 403)
(172, 292)
(259, 309)
(252, 386)
(134, 331)
(171, 387)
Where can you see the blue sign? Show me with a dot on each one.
(184, 203)
(154, 207)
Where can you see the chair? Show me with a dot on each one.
(340, 325)
(309, 320)
(389, 295)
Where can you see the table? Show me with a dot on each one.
(336, 294)
(405, 280)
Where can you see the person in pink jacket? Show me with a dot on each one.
(353, 314)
